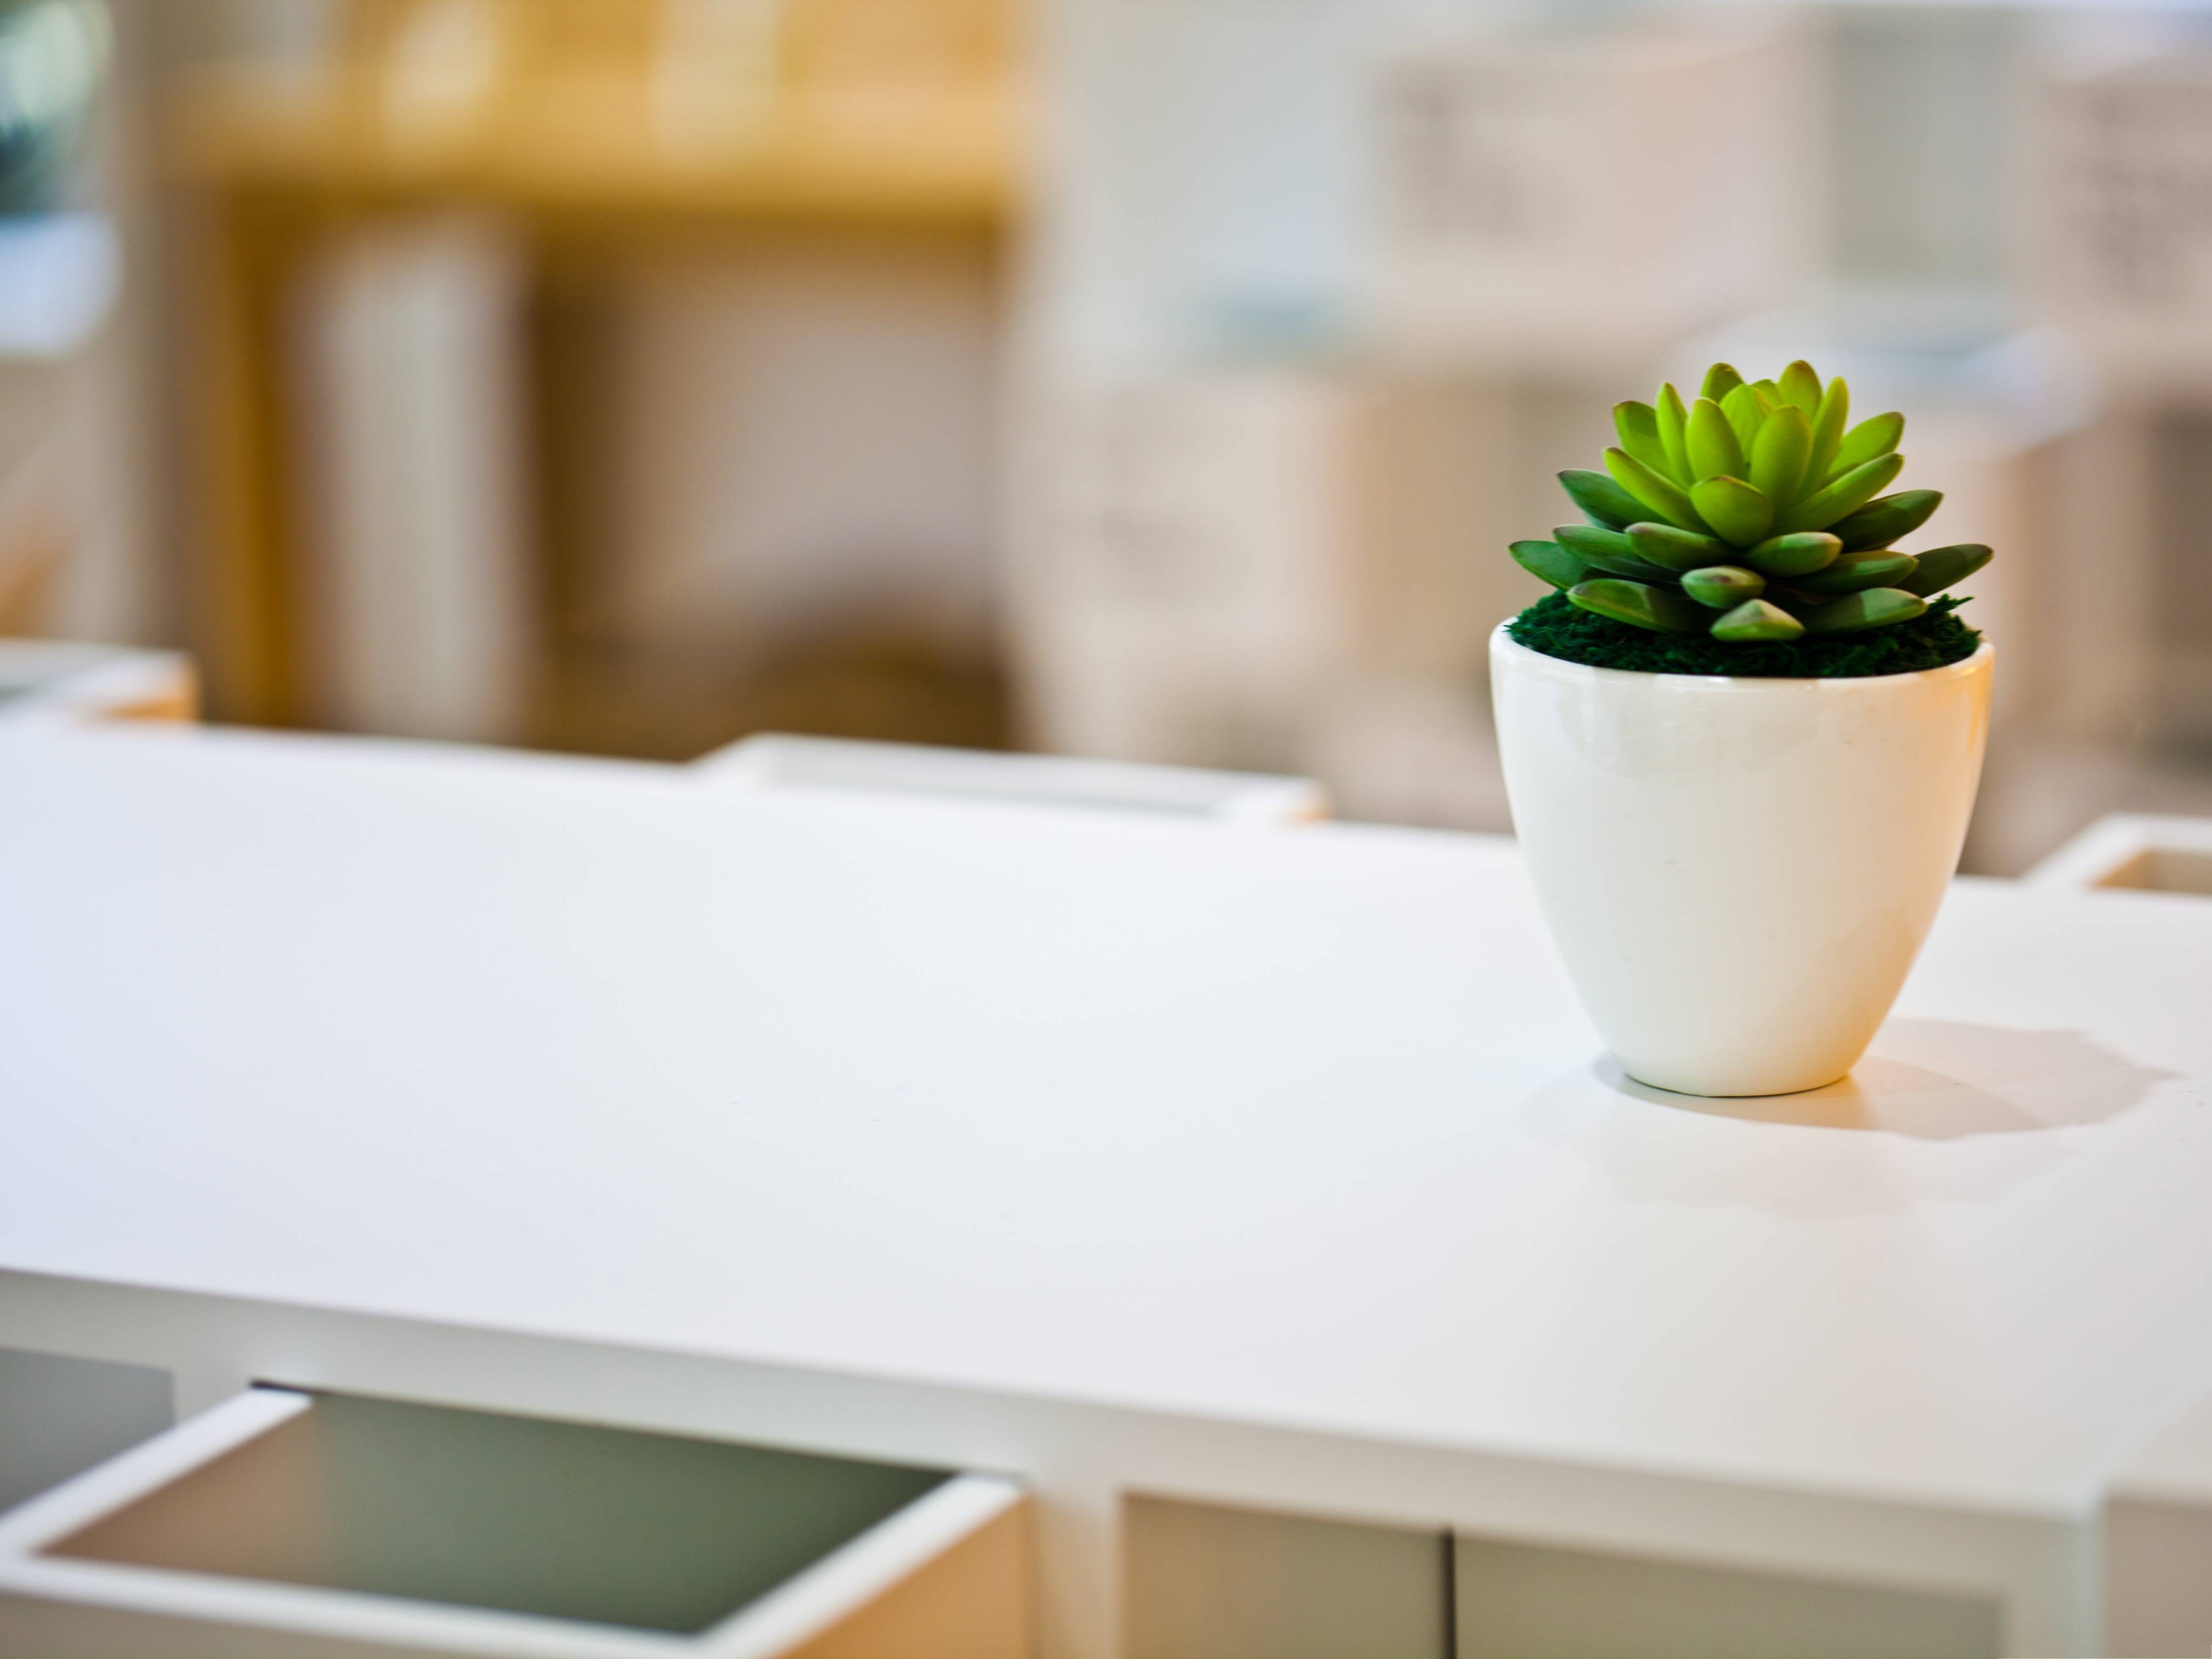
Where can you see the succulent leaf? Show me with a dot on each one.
(1746, 411)
(1659, 496)
(1867, 441)
(1756, 619)
(1795, 554)
(1939, 567)
(1674, 434)
(1610, 551)
(1711, 442)
(1645, 607)
(1778, 456)
(1549, 562)
(1602, 499)
(1877, 607)
(1842, 497)
(1753, 512)
(1801, 388)
(1739, 512)
(1853, 572)
(1639, 427)
(1828, 423)
(1724, 586)
(1677, 550)
(1882, 521)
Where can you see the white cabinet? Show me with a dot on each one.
(2116, 242)
(2157, 1517)
(1209, 558)
(1557, 199)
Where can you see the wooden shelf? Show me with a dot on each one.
(612, 140)
(600, 128)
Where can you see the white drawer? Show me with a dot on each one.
(315, 1526)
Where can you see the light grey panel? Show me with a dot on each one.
(1207, 1582)
(1516, 1601)
(1921, 106)
(59, 1416)
(479, 1509)
(2158, 1580)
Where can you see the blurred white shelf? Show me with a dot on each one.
(2142, 851)
(59, 276)
(1106, 1151)
(772, 759)
(52, 682)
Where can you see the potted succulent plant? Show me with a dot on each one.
(1743, 738)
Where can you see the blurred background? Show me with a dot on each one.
(1157, 379)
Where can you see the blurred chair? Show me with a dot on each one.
(771, 760)
(2146, 851)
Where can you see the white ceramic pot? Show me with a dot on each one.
(1738, 872)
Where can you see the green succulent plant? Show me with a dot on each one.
(1753, 513)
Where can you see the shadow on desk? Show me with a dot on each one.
(1939, 1080)
(1943, 1087)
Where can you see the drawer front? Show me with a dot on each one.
(305, 1524)
(1514, 1601)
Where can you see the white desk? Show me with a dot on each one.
(1119, 1153)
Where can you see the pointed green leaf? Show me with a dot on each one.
(1603, 500)
(1855, 571)
(1789, 556)
(1882, 521)
(1589, 541)
(1746, 412)
(1941, 566)
(1677, 550)
(1611, 551)
(1720, 380)
(1661, 495)
(1639, 427)
(1711, 442)
(1867, 441)
(1724, 586)
(1755, 620)
(1549, 562)
(1778, 457)
(1645, 607)
(1835, 411)
(1674, 434)
(1801, 388)
(1878, 607)
(1824, 505)
(1735, 510)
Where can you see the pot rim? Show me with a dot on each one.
(1978, 663)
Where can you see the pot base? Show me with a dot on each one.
(1683, 1089)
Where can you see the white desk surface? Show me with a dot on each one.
(1300, 1128)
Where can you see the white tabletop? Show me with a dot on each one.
(1301, 1128)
